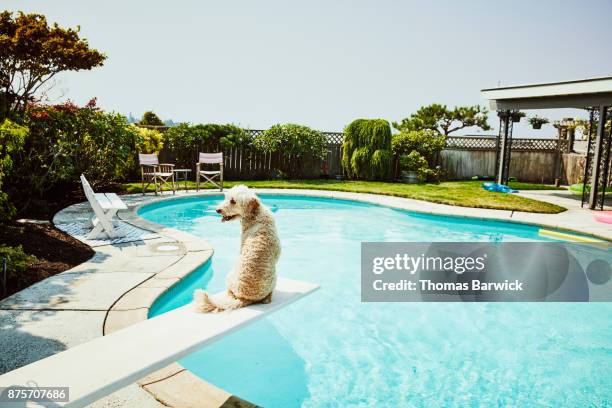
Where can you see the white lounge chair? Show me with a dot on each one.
(104, 206)
(152, 171)
(210, 175)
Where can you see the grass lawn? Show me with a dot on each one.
(461, 193)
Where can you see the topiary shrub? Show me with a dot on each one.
(367, 149)
(296, 145)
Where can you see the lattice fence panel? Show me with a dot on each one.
(334, 138)
(489, 143)
(471, 143)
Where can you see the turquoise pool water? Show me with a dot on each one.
(331, 350)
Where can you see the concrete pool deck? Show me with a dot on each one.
(117, 286)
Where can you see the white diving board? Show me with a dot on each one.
(109, 363)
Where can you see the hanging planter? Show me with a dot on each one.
(516, 116)
(537, 122)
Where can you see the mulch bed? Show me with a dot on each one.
(55, 250)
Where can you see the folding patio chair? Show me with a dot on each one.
(210, 175)
(152, 171)
(104, 206)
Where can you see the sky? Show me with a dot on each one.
(324, 63)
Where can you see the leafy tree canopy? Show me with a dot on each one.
(32, 52)
(441, 119)
(149, 118)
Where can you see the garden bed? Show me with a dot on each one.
(54, 250)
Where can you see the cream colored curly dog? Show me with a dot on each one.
(254, 276)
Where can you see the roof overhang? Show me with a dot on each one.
(570, 94)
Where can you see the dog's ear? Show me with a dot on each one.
(253, 207)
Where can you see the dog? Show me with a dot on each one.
(253, 278)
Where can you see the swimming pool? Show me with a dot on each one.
(330, 349)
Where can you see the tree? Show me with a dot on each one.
(443, 120)
(149, 118)
(32, 53)
(366, 150)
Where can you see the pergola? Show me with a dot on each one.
(594, 95)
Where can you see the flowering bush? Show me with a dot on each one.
(66, 140)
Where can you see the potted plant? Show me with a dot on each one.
(517, 115)
(537, 122)
(414, 167)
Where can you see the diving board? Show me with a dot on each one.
(107, 364)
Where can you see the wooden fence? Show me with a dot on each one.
(537, 160)
(246, 163)
(533, 160)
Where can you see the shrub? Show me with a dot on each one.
(17, 263)
(184, 141)
(66, 140)
(150, 140)
(414, 161)
(108, 149)
(426, 142)
(296, 145)
(12, 138)
(367, 149)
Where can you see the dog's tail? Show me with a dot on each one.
(204, 303)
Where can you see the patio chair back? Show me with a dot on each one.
(154, 172)
(211, 158)
(149, 159)
(210, 175)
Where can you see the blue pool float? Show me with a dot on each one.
(498, 188)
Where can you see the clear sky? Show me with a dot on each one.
(324, 63)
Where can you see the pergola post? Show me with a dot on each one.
(503, 147)
(601, 157)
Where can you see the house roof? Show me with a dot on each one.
(581, 93)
